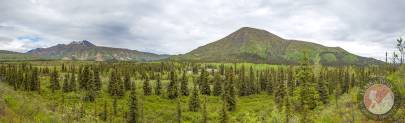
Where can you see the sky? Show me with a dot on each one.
(363, 27)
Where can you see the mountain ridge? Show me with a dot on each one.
(260, 46)
(85, 50)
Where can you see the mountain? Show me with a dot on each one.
(10, 55)
(260, 46)
(85, 50)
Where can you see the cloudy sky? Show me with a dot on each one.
(364, 27)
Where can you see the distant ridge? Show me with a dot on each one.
(85, 50)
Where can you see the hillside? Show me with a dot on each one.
(85, 50)
(10, 55)
(260, 46)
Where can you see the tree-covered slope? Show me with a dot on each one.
(260, 46)
(10, 55)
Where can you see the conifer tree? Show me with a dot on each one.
(91, 91)
(115, 87)
(184, 85)
(263, 82)
(127, 82)
(158, 87)
(194, 101)
(178, 111)
(252, 82)
(172, 87)
(229, 92)
(72, 84)
(224, 112)
(35, 83)
(322, 89)
(205, 110)
(147, 90)
(205, 87)
(133, 114)
(97, 80)
(308, 94)
(217, 85)
(66, 84)
(54, 80)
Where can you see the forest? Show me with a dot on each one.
(156, 92)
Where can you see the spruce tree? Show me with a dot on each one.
(97, 80)
(205, 110)
(184, 85)
(229, 93)
(72, 84)
(217, 85)
(178, 111)
(115, 87)
(224, 112)
(308, 94)
(66, 84)
(35, 83)
(91, 91)
(158, 87)
(133, 114)
(54, 80)
(205, 87)
(127, 82)
(147, 89)
(172, 87)
(194, 101)
(322, 89)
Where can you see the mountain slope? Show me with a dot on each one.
(259, 46)
(84, 50)
(10, 55)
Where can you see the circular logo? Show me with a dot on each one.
(379, 100)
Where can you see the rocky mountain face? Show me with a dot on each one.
(85, 50)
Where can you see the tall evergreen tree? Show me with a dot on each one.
(54, 79)
(184, 85)
(35, 83)
(224, 112)
(72, 84)
(194, 101)
(205, 110)
(229, 92)
(205, 87)
(147, 89)
(217, 85)
(172, 87)
(308, 95)
(91, 91)
(96, 79)
(133, 114)
(158, 87)
(178, 111)
(66, 84)
(115, 87)
(322, 89)
(127, 82)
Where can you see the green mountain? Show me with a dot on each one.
(10, 56)
(85, 50)
(260, 46)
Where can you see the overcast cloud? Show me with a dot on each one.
(364, 27)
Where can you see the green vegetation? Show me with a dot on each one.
(259, 46)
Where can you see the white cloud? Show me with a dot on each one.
(367, 28)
